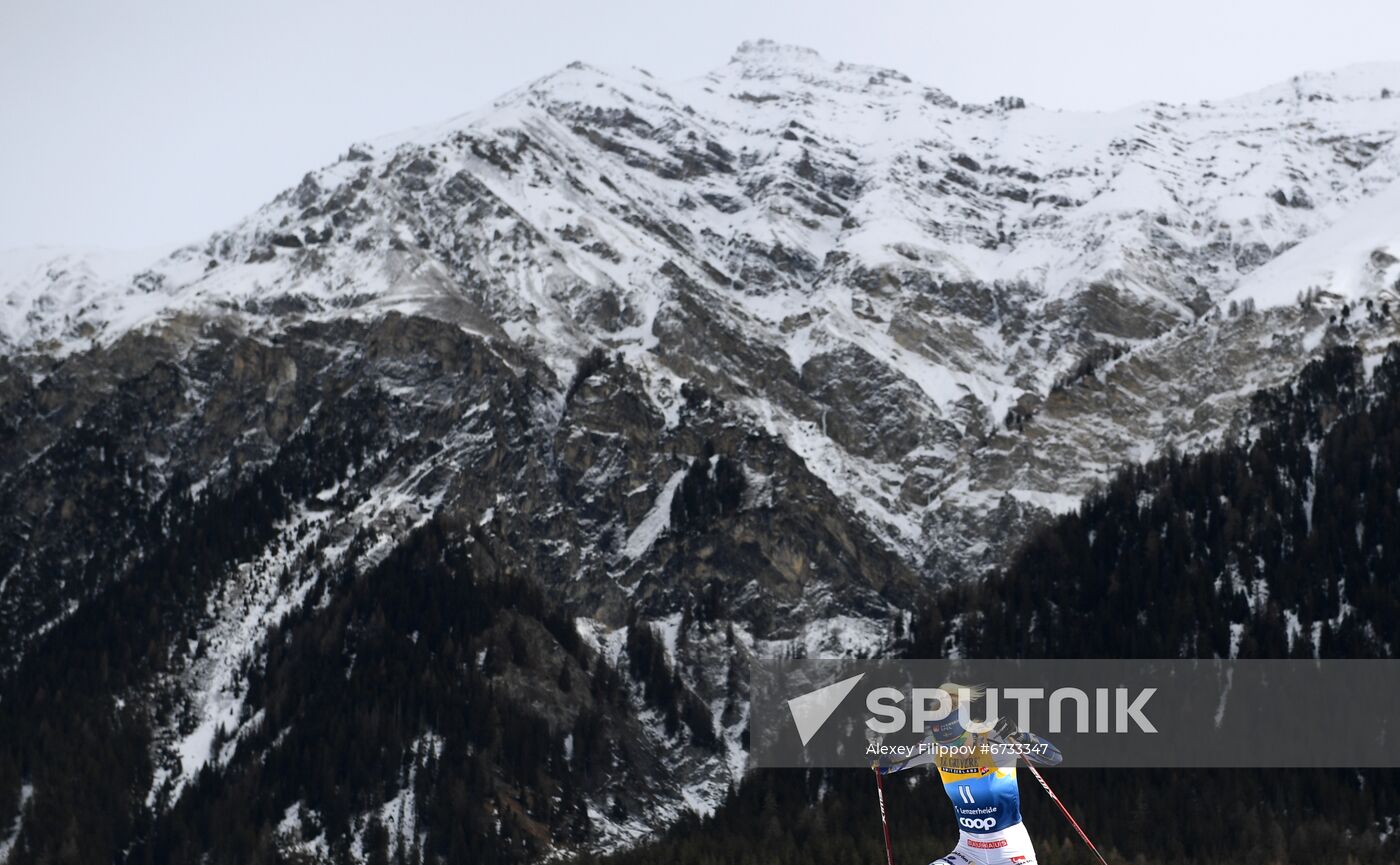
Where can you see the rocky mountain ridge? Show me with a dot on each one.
(781, 227)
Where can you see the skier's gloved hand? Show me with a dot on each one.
(873, 737)
(1006, 730)
(875, 740)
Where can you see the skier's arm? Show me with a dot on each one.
(1048, 756)
(922, 759)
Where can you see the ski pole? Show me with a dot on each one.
(884, 817)
(1063, 810)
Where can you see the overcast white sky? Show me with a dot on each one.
(154, 122)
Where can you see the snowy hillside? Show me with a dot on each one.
(1352, 259)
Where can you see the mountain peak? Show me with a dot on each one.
(766, 60)
(767, 50)
(1363, 82)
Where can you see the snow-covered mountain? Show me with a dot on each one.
(848, 226)
(793, 341)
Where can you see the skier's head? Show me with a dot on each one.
(948, 729)
(957, 692)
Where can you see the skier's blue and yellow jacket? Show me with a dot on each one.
(980, 781)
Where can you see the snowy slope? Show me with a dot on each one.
(901, 151)
(1353, 258)
(43, 289)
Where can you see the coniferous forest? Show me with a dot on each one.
(1293, 533)
(433, 676)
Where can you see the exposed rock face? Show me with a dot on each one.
(759, 357)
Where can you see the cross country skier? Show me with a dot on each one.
(981, 784)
